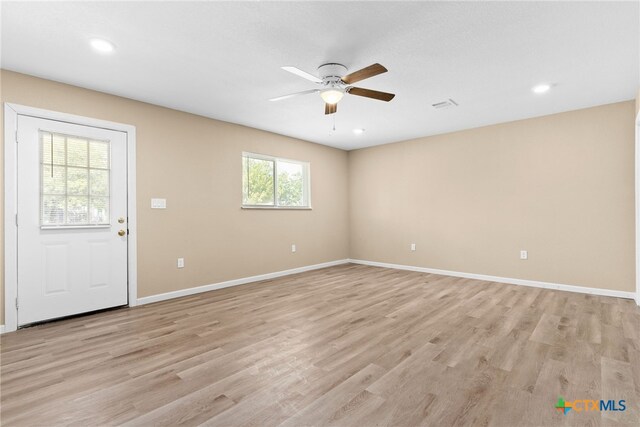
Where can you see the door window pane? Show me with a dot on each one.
(53, 210)
(99, 210)
(77, 210)
(56, 182)
(99, 182)
(77, 152)
(75, 180)
(99, 154)
(53, 147)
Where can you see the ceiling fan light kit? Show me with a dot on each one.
(332, 96)
(335, 83)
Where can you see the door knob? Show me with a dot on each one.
(121, 233)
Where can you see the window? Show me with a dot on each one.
(270, 182)
(74, 181)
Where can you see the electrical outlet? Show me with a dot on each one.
(293, 248)
(524, 255)
(413, 247)
(180, 262)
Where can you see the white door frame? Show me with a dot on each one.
(637, 186)
(11, 113)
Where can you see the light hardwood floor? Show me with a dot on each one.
(350, 345)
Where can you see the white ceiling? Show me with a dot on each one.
(223, 59)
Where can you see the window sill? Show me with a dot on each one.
(278, 208)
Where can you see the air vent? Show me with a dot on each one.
(449, 103)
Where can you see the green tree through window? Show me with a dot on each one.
(273, 182)
(258, 178)
(290, 184)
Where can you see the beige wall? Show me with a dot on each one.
(195, 163)
(559, 186)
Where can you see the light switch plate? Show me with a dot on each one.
(158, 203)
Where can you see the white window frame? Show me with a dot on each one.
(306, 171)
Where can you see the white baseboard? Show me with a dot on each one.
(235, 282)
(512, 281)
(508, 280)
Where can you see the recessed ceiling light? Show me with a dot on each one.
(102, 45)
(358, 131)
(541, 88)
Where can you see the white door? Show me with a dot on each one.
(72, 219)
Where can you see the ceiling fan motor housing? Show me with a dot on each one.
(331, 73)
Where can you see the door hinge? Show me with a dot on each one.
(16, 303)
(16, 136)
(16, 220)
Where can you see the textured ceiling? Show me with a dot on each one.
(223, 59)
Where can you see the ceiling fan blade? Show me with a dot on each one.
(368, 93)
(292, 95)
(303, 74)
(365, 73)
(330, 108)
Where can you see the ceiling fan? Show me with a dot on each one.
(334, 84)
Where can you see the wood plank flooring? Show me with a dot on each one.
(350, 345)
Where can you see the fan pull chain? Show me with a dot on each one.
(334, 121)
